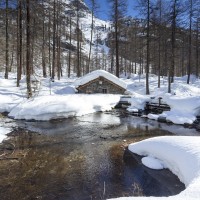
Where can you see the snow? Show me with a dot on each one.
(10, 95)
(138, 101)
(62, 103)
(184, 100)
(152, 162)
(8, 102)
(58, 99)
(180, 154)
(3, 132)
(66, 90)
(100, 30)
(96, 74)
(153, 116)
(183, 109)
(57, 106)
(178, 117)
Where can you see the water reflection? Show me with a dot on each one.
(80, 158)
(106, 122)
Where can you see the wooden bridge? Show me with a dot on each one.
(150, 107)
(156, 107)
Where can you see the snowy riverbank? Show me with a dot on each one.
(58, 99)
(181, 154)
(54, 107)
(3, 132)
(184, 99)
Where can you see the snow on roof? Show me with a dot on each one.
(96, 74)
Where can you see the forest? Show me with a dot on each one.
(55, 38)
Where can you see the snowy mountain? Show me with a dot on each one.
(100, 27)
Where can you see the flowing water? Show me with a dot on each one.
(82, 158)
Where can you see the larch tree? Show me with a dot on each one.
(70, 43)
(19, 42)
(93, 10)
(49, 39)
(7, 43)
(190, 40)
(173, 40)
(28, 49)
(118, 10)
(197, 37)
(54, 42)
(148, 50)
(145, 8)
(197, 42)
(159, 39)
(78, 34)
(43, 42)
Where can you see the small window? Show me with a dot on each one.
(104, 91)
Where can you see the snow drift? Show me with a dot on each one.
(53, 107)
(181, 154)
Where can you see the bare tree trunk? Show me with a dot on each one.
(19, 42)
(148, 52)
(135, 49)
(159, 42)
(12, 56)
(182, 58)
(112, 61)
(190, 43)
(78, 40)
(58, 41)
(91, 37)
(43, 45)
(197, 49)
(7, 44)
(171, 68)
(70, 41)
(54, 41)
(32, 45)
(78, 52)
(59, 53)
(80, 55)
(116, 38)
(28, 41)
(49, 37)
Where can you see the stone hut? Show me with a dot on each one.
(100, 81)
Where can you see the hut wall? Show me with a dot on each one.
(101, 85)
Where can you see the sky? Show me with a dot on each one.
(103, 11)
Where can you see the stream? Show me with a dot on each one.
(82, 158)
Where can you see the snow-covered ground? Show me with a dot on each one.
(57, 106)
(3, 132)
(180, 154)
(184, 99)
(58, 99)
(54, 99)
